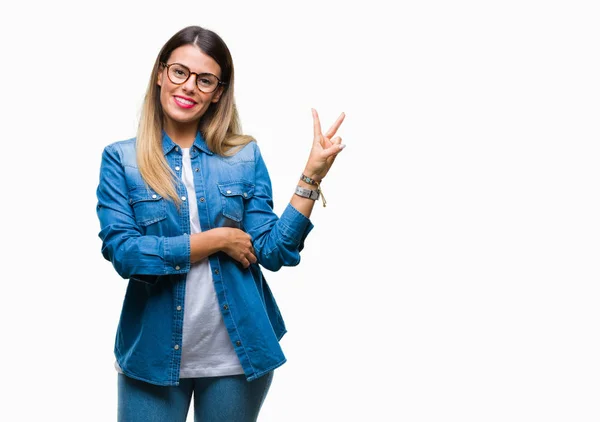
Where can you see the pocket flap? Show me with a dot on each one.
(148, 206)
(142, 194)
(243, 189)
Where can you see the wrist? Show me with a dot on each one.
(312, 194)
(219, 237)
(305, 185)
(313, 185)
(311, 178)
(311, 174)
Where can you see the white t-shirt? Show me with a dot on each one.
(206, 350)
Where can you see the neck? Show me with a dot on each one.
(183, 134)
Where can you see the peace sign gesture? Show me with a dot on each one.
(324, 148)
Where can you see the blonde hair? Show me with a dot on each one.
(220, 125)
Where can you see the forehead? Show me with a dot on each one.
(195, 59)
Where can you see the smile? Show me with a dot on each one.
(182, 102)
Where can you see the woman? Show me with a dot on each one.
(186, 214)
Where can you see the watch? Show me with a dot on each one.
(307, 193)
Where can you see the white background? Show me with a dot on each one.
(453, 275)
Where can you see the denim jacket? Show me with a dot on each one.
(147, 239)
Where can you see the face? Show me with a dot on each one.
(185, 104)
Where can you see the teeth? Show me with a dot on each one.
(184, 101)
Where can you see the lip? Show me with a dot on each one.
(181, 104)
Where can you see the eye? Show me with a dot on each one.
(207, 80)
(178, 73)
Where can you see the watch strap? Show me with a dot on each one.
(307, 193)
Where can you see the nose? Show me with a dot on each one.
(190, 84)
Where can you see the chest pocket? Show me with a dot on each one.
(148, 206)
(233, 197)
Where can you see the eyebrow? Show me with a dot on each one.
(199, 73)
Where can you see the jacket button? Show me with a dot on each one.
(179, 308)
(177, 267)
(202, 199)
(238, 343)
(226, 307)
(176, 347)
(217, 272)
(197, 169)
(177, 168)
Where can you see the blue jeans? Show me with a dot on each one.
(222, 399)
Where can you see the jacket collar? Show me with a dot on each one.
(199, 142)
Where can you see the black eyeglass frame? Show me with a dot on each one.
(190, 73)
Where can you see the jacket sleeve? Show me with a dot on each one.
(277, 241)
(134, 255)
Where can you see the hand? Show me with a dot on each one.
(238, 245)
(324, 148)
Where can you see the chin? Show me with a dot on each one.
(183, 118)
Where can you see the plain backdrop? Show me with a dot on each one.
(453, 275)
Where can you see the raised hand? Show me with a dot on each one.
(325, 148)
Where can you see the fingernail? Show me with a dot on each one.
(342, 146)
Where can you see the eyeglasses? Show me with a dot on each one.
(179, 74)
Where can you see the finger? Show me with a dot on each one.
(326, 142)
(246, 259)
(316, 124)
(333, 129)
(332, 143)
(333, 150)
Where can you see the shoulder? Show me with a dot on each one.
(124, 145)
(123, 151)
(248, 153)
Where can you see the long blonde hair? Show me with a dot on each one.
(220, 124)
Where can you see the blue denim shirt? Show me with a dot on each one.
(147, 239)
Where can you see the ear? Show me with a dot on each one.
(159, 75)
(218, 94)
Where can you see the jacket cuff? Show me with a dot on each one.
(177, 254)
(295, 225)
